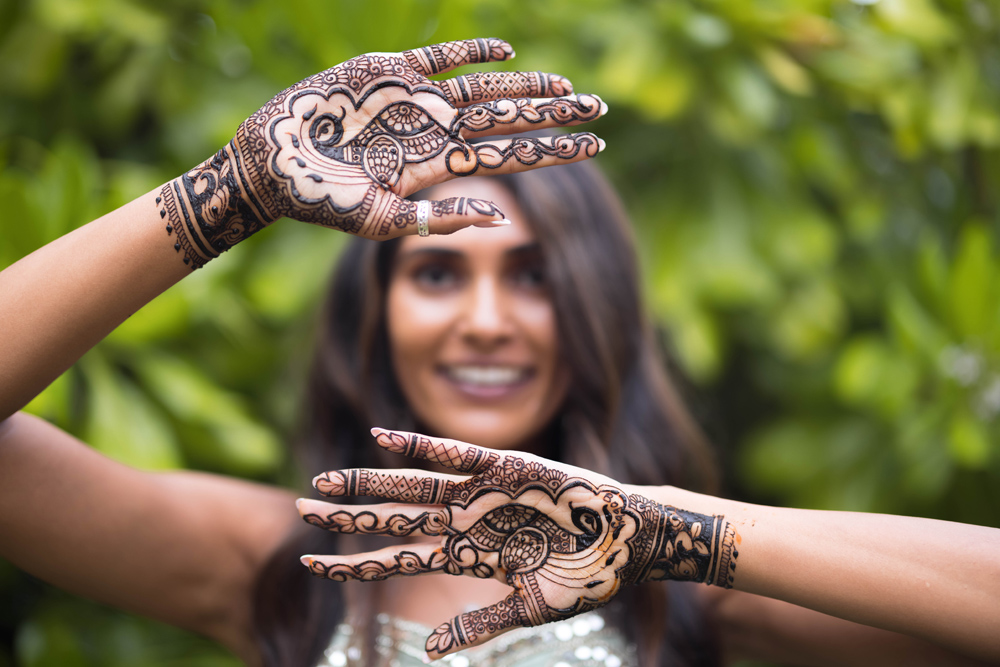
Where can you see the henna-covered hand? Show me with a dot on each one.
(343, 147)
(566, 539)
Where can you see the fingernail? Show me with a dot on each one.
(601, 144)
(298, 503)
(604, 106)
(307, 560)
(377, 431)
(500, 223)
(426, 659)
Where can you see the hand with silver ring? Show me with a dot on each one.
(344, 147)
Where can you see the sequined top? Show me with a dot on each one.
(582, 641)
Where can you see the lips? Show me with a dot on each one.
(486, 381)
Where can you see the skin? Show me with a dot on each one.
(476, 299)
(72, 517)
(80, 521)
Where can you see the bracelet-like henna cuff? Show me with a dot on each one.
(683, 546)
(209, 209)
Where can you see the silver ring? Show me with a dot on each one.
(423, 215)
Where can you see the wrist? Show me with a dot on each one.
(686, 546)
(209, 209)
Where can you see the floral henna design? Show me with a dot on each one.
(368, 523)
(403, 563)
(486, 116)
(566, 541)
(342, 147)
(525, 151)
(466, 630)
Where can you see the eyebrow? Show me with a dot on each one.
(533, 248)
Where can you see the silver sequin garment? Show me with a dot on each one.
(582, 641)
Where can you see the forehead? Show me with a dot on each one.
(478, 240)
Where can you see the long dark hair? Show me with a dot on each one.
(622, 417)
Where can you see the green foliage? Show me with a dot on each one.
(812, 182)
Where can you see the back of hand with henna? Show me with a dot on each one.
(565, 539)
(342, 148)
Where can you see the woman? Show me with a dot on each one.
(331, 151)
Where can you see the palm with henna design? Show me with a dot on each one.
(341, 148)
(565, 539)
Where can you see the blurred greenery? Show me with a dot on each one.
(810, 181)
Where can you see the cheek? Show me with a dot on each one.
(538, 321)
(416, 327)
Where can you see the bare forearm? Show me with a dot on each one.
(933, 579)
(65, 297)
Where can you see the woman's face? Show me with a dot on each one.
(472, 330)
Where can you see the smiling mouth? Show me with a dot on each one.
(487, 380)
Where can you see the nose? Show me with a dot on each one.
(487, 321)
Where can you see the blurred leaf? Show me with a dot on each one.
(237, 442)
(968, 441)
(915, 329)
(972, 290)
(122, 423)
(53, 404)
(697, 341)
(809, 322)
(785, 72)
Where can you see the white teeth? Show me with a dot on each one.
(491, 376)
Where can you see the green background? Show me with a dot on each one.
(812, 181)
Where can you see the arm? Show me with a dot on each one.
(567, 539)
(138, 540)
(936, 580)
(339, 149)
(756, 628)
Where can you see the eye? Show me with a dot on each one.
(528, 276)
(436, 277)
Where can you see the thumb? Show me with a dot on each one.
(478, 627)
(443, 216)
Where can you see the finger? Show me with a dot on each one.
(513, 155)
(413, 559)
(454, 454)
(445, 57)
(468, 89)
(386, 519)
(395, 216)
(477, 627)
(512, 116)
(405, 486)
